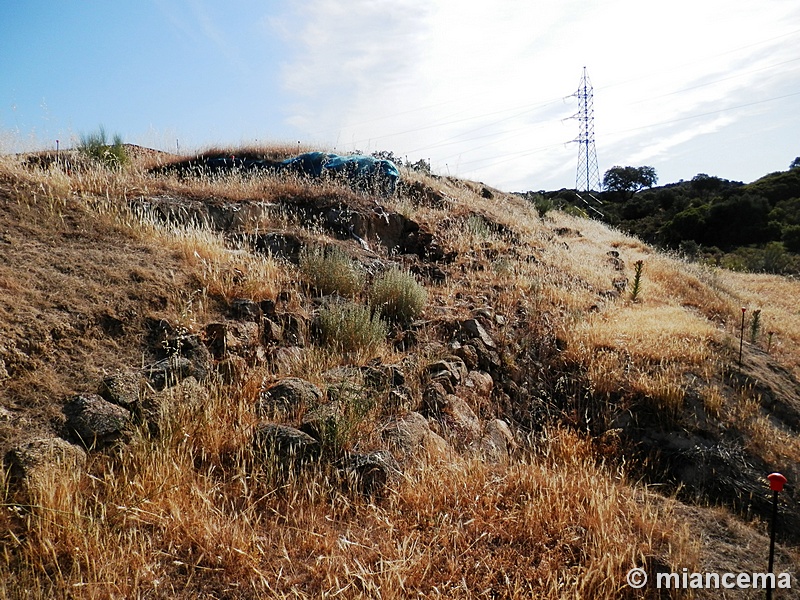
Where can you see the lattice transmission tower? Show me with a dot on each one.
(588, 174)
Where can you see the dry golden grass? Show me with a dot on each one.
(777, 298)
(174, 518)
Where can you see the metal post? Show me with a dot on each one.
(776, 483)
(741, 340)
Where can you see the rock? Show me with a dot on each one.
(454, 414)
(481, 382)
(231, 337)
(497, 442)
(272, 332)
(96, 422)
(451, 369)
(370, 474)
(244, 309)
(473, 329)
(410, 437)
(468, 354)
(123, 389)
(284, 446)
(169, 372)
(322, 422)
(284, 359)
(33, 459)
(288, 397)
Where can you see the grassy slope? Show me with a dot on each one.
(183, 514)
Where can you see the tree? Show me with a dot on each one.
(629, 180)
(703, 184)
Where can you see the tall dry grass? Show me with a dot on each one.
(185, 515)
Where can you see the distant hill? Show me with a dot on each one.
(753, 227)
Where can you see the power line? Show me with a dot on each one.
(705, 114)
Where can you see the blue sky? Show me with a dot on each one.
(481, 89)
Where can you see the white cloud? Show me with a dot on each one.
(477, 87)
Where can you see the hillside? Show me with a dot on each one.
(262, 385)
(744, 227)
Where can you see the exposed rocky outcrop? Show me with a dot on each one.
(96, 423)
(370, 474)
(36, 459)
(284, 448)
(289, 398)
(410, 438)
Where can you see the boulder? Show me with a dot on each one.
(244, 309)
(95, 422)
(284, 447)
(410, 437)
(370, 474)
(32, 459)
(497, 443)
(472, 328)
(289, 397)
(231, 337)
(451, 369)
(123, 389)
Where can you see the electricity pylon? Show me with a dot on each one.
(588, 174)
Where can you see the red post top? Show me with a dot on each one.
(776, 482)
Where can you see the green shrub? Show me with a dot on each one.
(95, 145)
(331, 271)
(352, 329)
(398, 296)
(351, 403)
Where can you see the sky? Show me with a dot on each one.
(482, 90)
